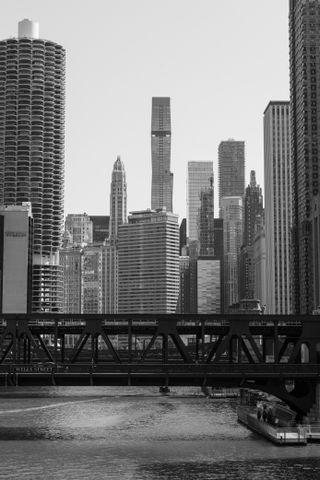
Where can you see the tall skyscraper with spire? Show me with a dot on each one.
(32, 102)
(304, 19)
(118, 198)
(252, 211)
(162, 178)
(118, 216)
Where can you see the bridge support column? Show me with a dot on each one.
(164, 389)
(313, 415)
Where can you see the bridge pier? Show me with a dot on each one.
(164, 389)
(313, 415)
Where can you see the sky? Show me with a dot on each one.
(221, 62)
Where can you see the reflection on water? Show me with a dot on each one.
(137, 434)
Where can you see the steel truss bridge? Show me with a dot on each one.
(276, 354)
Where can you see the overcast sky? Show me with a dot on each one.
(220, 61)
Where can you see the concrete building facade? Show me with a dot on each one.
(278, 206)
(148, 263)
(16, 258)
(209, 285)
(32, 102)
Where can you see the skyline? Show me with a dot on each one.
(216, 93)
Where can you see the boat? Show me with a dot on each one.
(270, 418)
(280, 435)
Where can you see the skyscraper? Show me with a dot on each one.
(148, 257)
(206, 221)
(253, 208)
(278, 206)
(232, 214)
(162, 178)
(71, 261)
(304, 19)
(231, 169)
(32, 100)
(15, 258)
(118, 216)
(79, 226)
(100, 228)
(199, 174)
(118, 198)
(209, 285)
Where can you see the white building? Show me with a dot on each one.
(15, 258)
(148, 263)
(278, 205)
(32, 92)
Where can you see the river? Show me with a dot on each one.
(114, 433)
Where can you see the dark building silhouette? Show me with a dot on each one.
(253, 207)
(218, 254)
(100, 228)
(231, 169)
(183, 234)
(304, 17)
(206, 220)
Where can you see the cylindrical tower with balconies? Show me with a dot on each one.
(32, 102)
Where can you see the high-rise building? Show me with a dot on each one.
(100, 228)
(232, 214)
(118, 217)
(184, 287)
(209, 285)
(278, 206)
(148, 259)
(260, 265)
(32, 100)
(15, 258)
(253, 207)
(199, 175)
(118, 198)
(183, 235)
(206, 221)
(80, 228)
(71, 260)
(91, 279)
(218, 253)
(304, 19)
(231, 169)
(162, 178)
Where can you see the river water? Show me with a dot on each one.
(114, 433)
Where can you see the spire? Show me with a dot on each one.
(118, 165)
